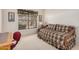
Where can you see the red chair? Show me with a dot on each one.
(16, 37)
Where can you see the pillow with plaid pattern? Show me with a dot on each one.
(51, 26)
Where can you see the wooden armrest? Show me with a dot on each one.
(5, 44)
(14, 42)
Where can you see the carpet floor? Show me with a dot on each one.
(32, 42)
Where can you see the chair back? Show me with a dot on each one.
(16, 36)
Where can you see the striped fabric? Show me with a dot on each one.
(60, 36)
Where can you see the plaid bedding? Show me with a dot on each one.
(60, 36)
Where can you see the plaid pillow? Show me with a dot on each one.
(50, 26)
(66, 28)
(63, 28)
(57, 28)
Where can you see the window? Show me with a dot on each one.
(27, 19)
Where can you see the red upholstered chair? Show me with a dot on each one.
(16, 37)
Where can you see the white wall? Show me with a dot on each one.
(9, 26)
(0, 20)
(13, 26)
(67, 17)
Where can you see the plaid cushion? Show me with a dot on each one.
(62, 28)
(52, 27)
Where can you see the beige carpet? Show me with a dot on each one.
(32, 42)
